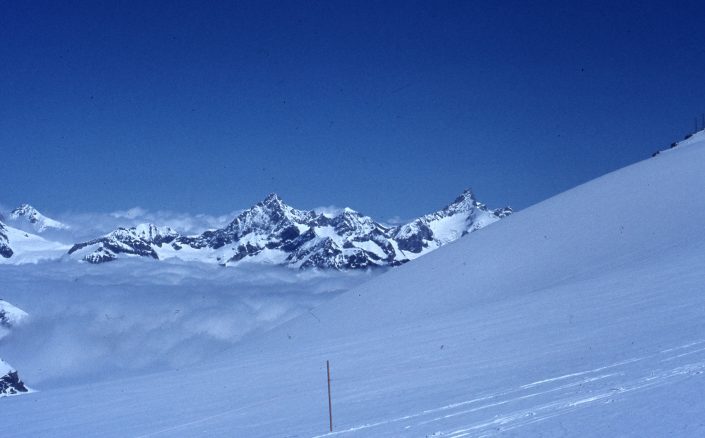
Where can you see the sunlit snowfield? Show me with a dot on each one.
(581, 316)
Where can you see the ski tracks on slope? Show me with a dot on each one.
(490, 414)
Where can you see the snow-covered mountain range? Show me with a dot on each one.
(273, 232)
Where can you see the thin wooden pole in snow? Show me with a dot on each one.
(330, 404)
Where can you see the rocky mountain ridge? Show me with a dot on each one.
(273, 232)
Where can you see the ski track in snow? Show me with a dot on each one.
(575, 391)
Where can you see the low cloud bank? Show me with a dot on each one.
(90, 323)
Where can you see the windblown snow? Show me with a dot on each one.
(583, 315)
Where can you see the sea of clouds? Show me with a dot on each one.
(90, 323)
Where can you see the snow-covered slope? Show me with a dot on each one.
(580, 316)
(27, 216)
(17, 246)
(273, 232)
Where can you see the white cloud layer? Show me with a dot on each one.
(89, 322)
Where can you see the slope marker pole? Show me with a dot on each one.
(330, 405)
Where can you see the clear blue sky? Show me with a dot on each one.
(392, 108)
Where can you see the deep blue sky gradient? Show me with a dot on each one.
(392, 108)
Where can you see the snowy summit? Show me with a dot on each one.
(272, 232)
(26, 214)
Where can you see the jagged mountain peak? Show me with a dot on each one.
(464, 202)
(273, 232)
(272, 199)
(268, 214)
(467, 194)
(24, 210)
(467, 202)
(274, 204)
(462, 216)
(350, 222)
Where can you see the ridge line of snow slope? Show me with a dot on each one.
(580, 316)
(607, 236)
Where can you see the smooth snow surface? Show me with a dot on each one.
(30, 248)
(581, 316)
